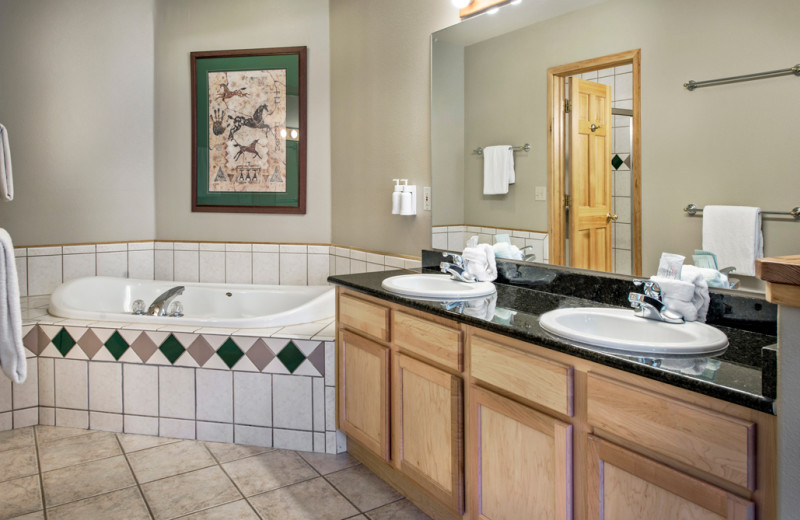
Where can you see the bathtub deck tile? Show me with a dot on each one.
(262, 333)
(178, 328)
(107, 324)
(215, 330)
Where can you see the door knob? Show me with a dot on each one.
(610, 217)
(594, 127)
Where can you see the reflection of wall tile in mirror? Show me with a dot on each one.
(622, 184)
(625, 103)
(622, 263)
(622, 236)
(623, 86)
(622, 207)
(622, 140)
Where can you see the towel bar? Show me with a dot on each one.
(692, 209)
(524, 148)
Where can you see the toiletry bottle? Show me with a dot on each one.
(396, 197)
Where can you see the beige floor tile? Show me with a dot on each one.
(86, 480)
(169, 459)
(225, 452)
(20, 496)
(400, 510)
(125, 503)
(239, 510)
(190, 492)
(310, 500)
(38, 515)
(54, 433)
(268, 471)
(132, 442)
(13, 439)
(326, 463)
(18, 463)
(363, 488)
(77, 450)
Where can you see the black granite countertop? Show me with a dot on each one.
(734, 376)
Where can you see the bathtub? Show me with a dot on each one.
(104, 298)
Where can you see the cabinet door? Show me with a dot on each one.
(427, 410)
(624, 484)
(522, 465)
(364, 392)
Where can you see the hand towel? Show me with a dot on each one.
(12, 354)
(696, 308)
(498, 169)
(733, 233)
(675, 289)
(480, 262)
(6, 178)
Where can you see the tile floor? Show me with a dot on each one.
(66, 473)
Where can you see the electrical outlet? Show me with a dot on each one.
(541, 193)
(426, 191)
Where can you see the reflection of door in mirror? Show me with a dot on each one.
(594, 162)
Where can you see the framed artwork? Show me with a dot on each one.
(249, 130)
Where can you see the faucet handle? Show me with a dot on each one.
(457, 259)
(651, 288)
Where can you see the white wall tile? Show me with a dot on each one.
(294, 268)
(212, 246)
(47, 391)
(5, 395)
(252, 399)
(26, 417)
(141, 264)
(44, 274)
(355, 254)
(266, 248)
(176, 392)
(186, 246)
(266, 268)
(45, 251)
(292, 440)
(395, 261)
(291, 402)
(140, 390)
(212, 266)
(176, 428)
(47, 416)
(319, 442)
(342, 265)
(318, 250)
(72, 384)
(622, 184)
(107, 422)
(112, 247)
(186, 266)
(163, 264)
(105, 387)
(214, 432)
(140, 425)
(376, 259)
(141, 246)
(371, 268)
(318, 390)
(330, 408)
(72, 418)
(22, 274)
(214, 395)
(238, 267)
(293, 248)
(241, 248)
(27, 394)
(318, 269)
(164, 246)
(252, 435)
(78, 266)
(358, 266)
(113, 264)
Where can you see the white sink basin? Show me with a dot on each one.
(620, 329)
(436, 287)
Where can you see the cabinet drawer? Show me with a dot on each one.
(438, 343)
(703, 439)
(529, 376)
(364, 316)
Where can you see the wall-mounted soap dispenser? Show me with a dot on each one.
(396, 197)
(404, 198)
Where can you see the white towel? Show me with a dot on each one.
(675, 289)
(481, 262)
(481, 308)
(498, 169)
(695, 309)
(733, 233)
(12, 354)
(6, 178)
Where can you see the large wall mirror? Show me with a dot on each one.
(732, 144)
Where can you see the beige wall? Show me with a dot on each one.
(380, 130)
(76, 96)
(183, 26)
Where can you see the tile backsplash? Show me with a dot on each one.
(454, 238)
(42, 269)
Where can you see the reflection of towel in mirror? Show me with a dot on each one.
(498, 169)
(6, 178)
(688, 296)
(733, 233)
(12, 354)
(482, 308)
(480, 262)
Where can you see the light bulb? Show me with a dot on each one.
(493, 10)
(283, 133)
(461, 4)
(294, 134)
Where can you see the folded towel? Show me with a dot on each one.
(675, 289)
(696, 308)
(481, 262)
(12, 354)
(733, 233)
(6, 178)
(498, 169)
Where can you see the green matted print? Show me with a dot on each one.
(249, 130)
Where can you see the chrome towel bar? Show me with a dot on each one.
(692, 84)
(524, 148)
(692, 209)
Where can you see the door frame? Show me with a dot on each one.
(556, 181)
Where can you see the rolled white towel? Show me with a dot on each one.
(675, 289)
(696, 307)
(481, 262)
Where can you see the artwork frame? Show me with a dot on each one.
(249, 130)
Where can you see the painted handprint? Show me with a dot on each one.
(216, 120)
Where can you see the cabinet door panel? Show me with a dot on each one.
(364, 392)
(523, 462)
(427, 407)
(624, 484)
(364, 316)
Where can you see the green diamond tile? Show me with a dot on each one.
(291, 357)
(230, 353)
(63, 341)
(116, 345)
(616, 162)
(172, 349)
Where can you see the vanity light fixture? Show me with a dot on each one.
(283, 133)
(461, 4)
(493, 10)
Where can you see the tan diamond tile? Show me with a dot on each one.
(86, 480)
(31, 340)
(105, 506)
(200, 350)
(260, 354)
(143, 346)
(310, 499)
(77, 450)
(20, 496)
(169, 459)
(18, 463)
(90, 343)
(268, 471)
(363, 488)
(189, 492)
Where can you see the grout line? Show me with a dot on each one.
(133, 474)
(39, 466)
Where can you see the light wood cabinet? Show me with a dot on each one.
(522, 461)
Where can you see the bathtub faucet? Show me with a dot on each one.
(160, 304)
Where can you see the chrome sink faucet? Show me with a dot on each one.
(649, 305)
(458, 269)
(160, 304)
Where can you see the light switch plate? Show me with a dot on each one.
(426, 191)
(541, 193)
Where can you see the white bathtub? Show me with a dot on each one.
(106, 298)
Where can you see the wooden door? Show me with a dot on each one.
(364, 392)
(522, 465)
(427, 429)
(590, 176)
(625, 485)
